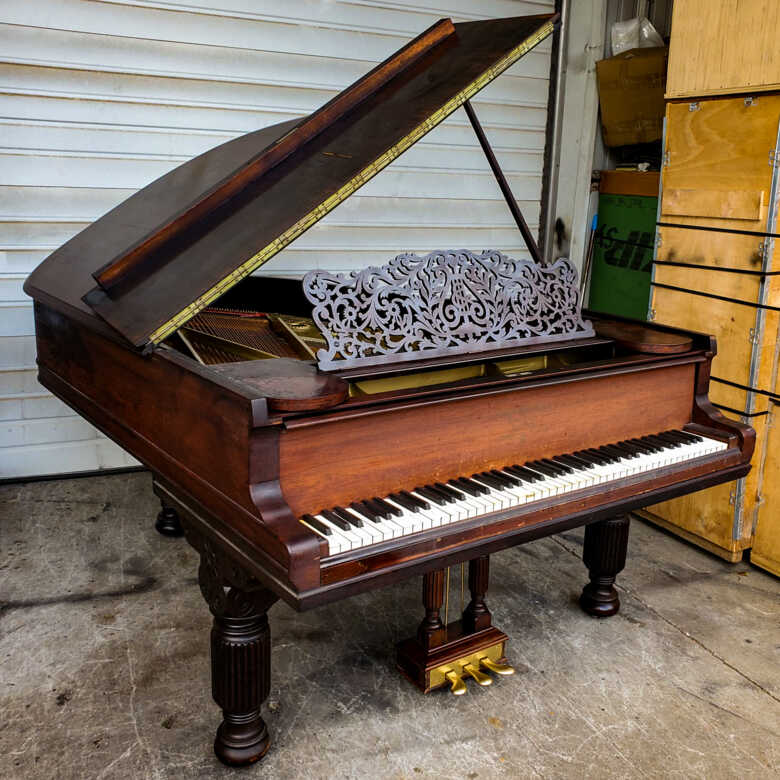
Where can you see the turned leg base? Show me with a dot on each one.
(600, 598)
(168, 522)
(604, 553)
(241, 740)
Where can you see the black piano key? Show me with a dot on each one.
(626, 451)
(574, 461)
(610, 450)
(597, 458)
(541, 468)
(481, 489)
(348, 516)
(506, 479)
(431, 495)
(691, 437)
(490, 480)
(366, 511)
(393, 510)
(637, 446)
(406, 503)
(379, 510)
(562, 468)
(648, 446)
(316, 524)
(332, 517)
(671, 439)
(677, 436)
(660, 446)
(471, 489)
(524, 473)
(448, 490)
(421, 504)
(608, 457)
(663, 442)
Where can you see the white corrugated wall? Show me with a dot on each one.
(100, 97)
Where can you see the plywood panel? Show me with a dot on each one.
(718, 175)
(766, 546)
(723, 46)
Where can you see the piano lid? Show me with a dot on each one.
(170, 250)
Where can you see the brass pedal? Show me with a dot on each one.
(494, 666)
(457, 686)
(480, 677)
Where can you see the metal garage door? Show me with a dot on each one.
(99, 98)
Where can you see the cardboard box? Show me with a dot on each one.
(631, 96)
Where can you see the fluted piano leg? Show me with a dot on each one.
(240, 659)
(604, 553)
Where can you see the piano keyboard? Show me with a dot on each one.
(369, 521)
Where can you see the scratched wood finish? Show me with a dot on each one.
(367, 456)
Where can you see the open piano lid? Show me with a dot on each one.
(161, 256)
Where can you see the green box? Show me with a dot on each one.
(623, 255)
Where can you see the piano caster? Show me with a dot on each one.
(168, 522)
(604, 553)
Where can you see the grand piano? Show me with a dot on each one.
(317, 439)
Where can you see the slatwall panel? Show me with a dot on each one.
(99, 98)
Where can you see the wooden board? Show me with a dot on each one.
(731, 48)
(718, 175)
(766, 546)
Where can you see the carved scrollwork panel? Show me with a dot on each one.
(443, 303)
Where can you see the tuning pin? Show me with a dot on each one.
(480, 677)
(458, 687)
(496, 667)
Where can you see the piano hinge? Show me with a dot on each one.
(693, 106)
(751, 101)
(774, 159)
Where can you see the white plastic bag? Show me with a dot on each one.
(637, 33)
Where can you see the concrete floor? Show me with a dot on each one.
(104, 662)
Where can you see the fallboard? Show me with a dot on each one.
(340, 459)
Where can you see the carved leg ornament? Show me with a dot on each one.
(240, 657)
(604, 553)
(168, 522)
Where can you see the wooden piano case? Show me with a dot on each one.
(244, 452)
